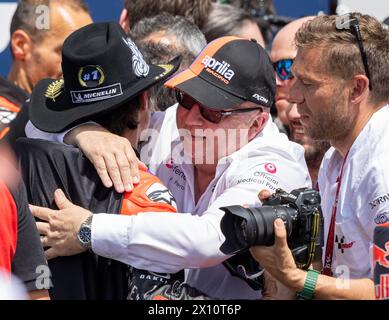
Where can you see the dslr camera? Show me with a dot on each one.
(301, 212)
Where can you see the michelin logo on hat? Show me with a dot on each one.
(103, 93)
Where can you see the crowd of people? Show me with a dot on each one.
(125, 139)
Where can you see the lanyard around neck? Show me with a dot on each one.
(331, 232)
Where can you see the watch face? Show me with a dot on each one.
(85, 234)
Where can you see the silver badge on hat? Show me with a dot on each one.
(140, 67)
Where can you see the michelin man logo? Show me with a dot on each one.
(140, 67)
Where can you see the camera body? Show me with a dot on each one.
(301, 212)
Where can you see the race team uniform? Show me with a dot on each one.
(363, 200)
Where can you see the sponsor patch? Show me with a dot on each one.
(271, 168)
(6, 116)
(220, 70)
(342, 245)
(91, 76)
(54, 90)
(260, 98)
(139, 66)
(169, 164)
(381, 256)
(382, 218)
(378, 201)
(159, 193)
(97, 94)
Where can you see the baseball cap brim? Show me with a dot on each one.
(203, 91)
(56, 115)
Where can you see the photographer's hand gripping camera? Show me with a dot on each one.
(301, 212)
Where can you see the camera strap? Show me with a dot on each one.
(331, 232)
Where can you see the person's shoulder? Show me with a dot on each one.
(27, 145)
(12, 93)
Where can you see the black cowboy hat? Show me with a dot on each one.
(102, 69)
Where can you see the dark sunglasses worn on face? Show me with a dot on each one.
(214, 116)
(351, 23)
(283, 69)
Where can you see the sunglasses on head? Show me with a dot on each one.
(351, 23)
(214, 116)
(282, 68)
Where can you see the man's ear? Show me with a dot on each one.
(124, 20)
(258, 124)
(360, 89)
(21, 45)
(144, 99)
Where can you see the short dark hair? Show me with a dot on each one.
(194, 10)
(25, 15)
(224, 20)
(123, 117)
(187, 35)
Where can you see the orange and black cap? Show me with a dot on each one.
(228, 72)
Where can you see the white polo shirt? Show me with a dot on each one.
(191, 239)
(363, 198)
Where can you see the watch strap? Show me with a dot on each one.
(309, 286)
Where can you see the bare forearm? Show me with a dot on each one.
(329, 288)
(335, 288)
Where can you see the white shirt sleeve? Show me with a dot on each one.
(35, 133)
(168, 242)
(159, 241)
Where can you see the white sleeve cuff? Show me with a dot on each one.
(108, 231)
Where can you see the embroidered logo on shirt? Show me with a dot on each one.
(378, 201)
(382, 218)
(342, 245)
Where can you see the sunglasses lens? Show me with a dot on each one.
(282, 68)
(211, 115)
(187, 102)
(184, 100)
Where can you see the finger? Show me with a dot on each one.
(61, 201)
(280, 233)
(264, 195)
(40, 212)
(43, 228)
(125, 172)
(134, 165)
(51, 254)
(114, 173)
(102, 172)
(44, 242)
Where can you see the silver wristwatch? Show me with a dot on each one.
(84, 234)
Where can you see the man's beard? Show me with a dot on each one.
(315, 150)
